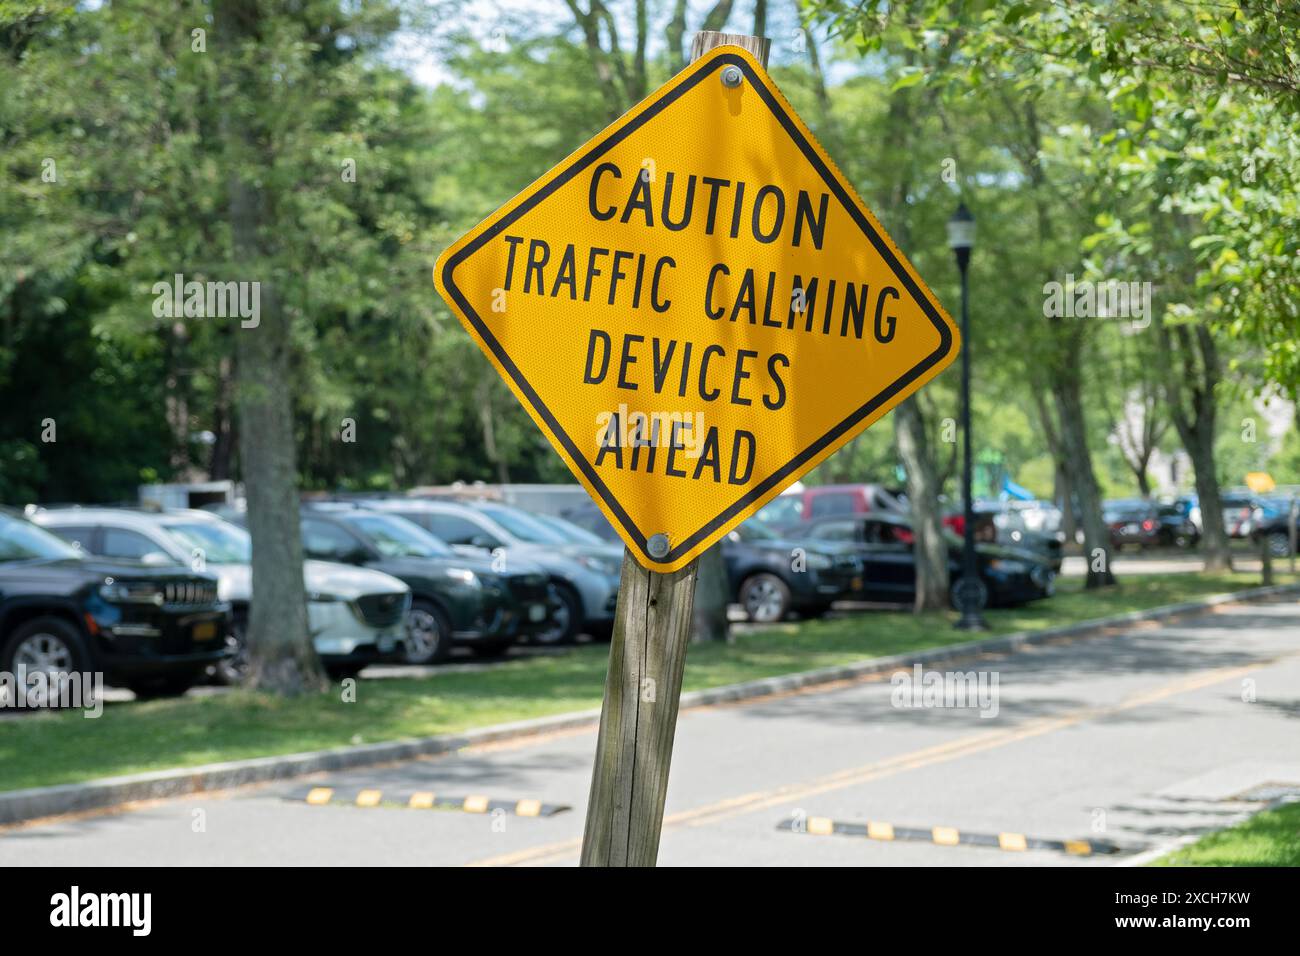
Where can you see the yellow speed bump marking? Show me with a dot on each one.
(423, 800)
(1012, 841)
(946, 836)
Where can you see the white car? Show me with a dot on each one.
(356, 615)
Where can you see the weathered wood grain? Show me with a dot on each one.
(647, 655)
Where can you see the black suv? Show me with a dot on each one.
(153, 630)
(454, 598)
(770, 576)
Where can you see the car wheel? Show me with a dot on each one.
(428, 635)
(566, 618)
(979, 593)
(48, 645)
(172, 685)
(1279, 544)
(765, 598)
(233, 671)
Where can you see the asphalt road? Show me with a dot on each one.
(1141, 739)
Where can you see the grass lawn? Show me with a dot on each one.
(1271, 838)
(38, 749)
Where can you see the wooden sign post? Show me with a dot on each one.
(638, 719)
(697, 309)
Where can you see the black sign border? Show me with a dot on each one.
(881, 244)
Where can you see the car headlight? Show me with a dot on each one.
(464, 576)
(819, 562)
(116, 592)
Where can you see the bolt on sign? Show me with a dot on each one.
(696, 308)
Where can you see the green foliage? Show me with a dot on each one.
(1149, 141)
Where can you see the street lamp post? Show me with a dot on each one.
(970, 591)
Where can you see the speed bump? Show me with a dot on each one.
(943, 836)
(422, 800)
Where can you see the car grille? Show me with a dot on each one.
(177, 594)
(527, 587)
(382, 610)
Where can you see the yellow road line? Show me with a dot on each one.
(961, 747)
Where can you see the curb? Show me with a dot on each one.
(17, 806)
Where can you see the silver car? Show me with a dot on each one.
(356, 615)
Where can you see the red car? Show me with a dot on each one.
(827, 501)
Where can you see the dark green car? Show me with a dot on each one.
(455, 599)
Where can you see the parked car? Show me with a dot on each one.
(592, 520)
(1177, 528)
(573, 533)
(823, 501)
(154, 630)
(1272, 523)
(771, 575)
(1131, 521)
(583, 576)
(356, 616)
(1237, 510)
(996, 523)
(1008, 576)
(455, 598)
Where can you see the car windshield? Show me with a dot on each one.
(1118, 510)
(570, 530)
(23, 541)
(220, 543)
(396, 537)
(753, 531)
(523, 526)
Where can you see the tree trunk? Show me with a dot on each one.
(1194, 373)
(712, 598)
(282, 658)
(1074, 444)
(930, 550)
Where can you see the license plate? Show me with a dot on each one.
(537, 612)
(205, 631)
(1130, 529)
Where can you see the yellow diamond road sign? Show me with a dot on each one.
(696, 308)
